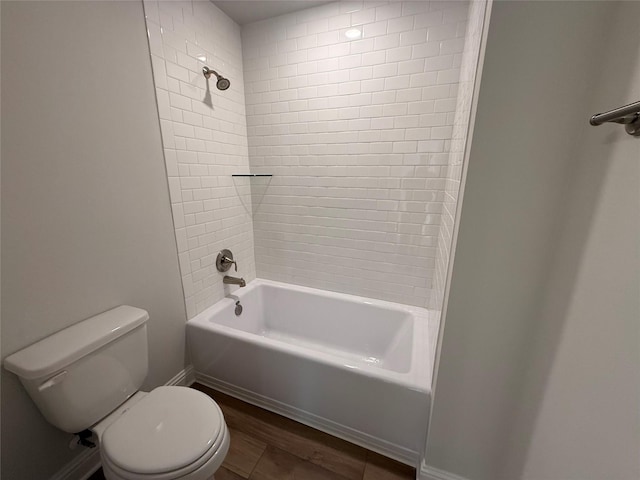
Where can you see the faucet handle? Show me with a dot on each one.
(225, 260)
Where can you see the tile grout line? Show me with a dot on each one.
(260, 458)
(366, 461)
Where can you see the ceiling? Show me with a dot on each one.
(248, 11)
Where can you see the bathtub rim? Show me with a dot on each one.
(418, 378)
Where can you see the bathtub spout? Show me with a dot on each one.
(233, 281)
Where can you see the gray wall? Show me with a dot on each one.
(582, 390)
(538, 367)
(86, 222)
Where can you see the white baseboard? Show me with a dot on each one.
(378, 445)
(184, 378)
(431, 473)
(88, 461)
(81, 467)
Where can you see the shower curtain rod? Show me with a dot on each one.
(629, 115)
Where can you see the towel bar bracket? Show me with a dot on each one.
(633, 127)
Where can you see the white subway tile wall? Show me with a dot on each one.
(205, 139)
(357, 133)
(468, 69)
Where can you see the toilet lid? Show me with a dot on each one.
(168, 429)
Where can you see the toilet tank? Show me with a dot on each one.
(80, 374)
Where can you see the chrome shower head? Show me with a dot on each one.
(222, 83)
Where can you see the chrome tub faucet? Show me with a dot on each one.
(227, 280)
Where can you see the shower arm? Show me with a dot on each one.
(208, 72)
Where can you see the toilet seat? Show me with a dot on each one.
(203, 469)
(169, 433)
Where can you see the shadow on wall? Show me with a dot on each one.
(251, 191)
(588, 170)
(19, 413)
(207, 100)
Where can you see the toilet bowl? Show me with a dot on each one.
(88, 376)
(169, 433)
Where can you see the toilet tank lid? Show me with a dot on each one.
(61, 349)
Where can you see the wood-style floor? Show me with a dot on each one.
(267, 446)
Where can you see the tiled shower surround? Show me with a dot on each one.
(468, 73)
(356, 133)
(205, 138)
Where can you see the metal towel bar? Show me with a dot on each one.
(629, 116)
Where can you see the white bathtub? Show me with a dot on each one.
(353, 367)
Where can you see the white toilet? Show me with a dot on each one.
(87, 376)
